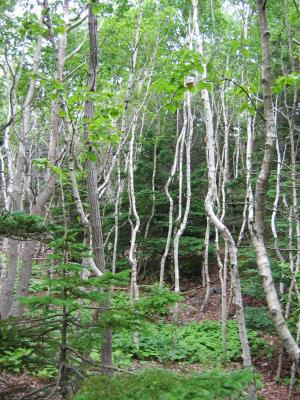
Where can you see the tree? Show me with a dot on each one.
(257, 225)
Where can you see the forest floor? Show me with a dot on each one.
(14, 386)
(267, 368)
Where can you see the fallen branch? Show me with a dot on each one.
(36, 391)
(4, 380)
(95, 364)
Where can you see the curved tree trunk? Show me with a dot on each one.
(257, 225)
(209, 207)
(188, 142)
(171, 203)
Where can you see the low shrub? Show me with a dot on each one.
(160, 384)
(258, 318)
(194, 342)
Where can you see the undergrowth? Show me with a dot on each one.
(159, 384)
(195, 342)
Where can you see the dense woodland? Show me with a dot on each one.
(149, 184)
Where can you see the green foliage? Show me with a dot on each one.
(32, 26)
(293, 319)
(48, 372)
(43, 163)
(258, 318)
(251, 285)
(159, 384)
(281, 272)
(191, 245)
(250, 279)
(24, 344)
(21, 225)
(163, 56)
(25, 359)
(183, 65)
(14, 361)
(31, 344)
(292, 79)
(194, 342)
(132, 316)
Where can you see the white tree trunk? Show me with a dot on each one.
(205, 268)
(188, 142)
(136, 225)
(16, 187)
(258, 224)
(209, 207)
(171, 202)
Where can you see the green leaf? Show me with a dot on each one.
(90, 155)
(62, 113)
(204, 85)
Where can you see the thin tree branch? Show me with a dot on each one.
(247, 94)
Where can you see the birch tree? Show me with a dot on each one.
(187, 139)
(16, 186)
(257, 224)
(209, 207)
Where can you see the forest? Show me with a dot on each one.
(149, 199)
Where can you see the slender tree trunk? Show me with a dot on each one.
(92, 177)
(280, 160)
(153, 190)
(188, 120)
(171, 202)
(116, 217)
(135, 226)
(237, 150)
(257, 225)
(205, 267)
(16, 189)
(143, 262)
(39, 201)
(209, 207)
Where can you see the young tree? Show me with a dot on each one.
(209, 207)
